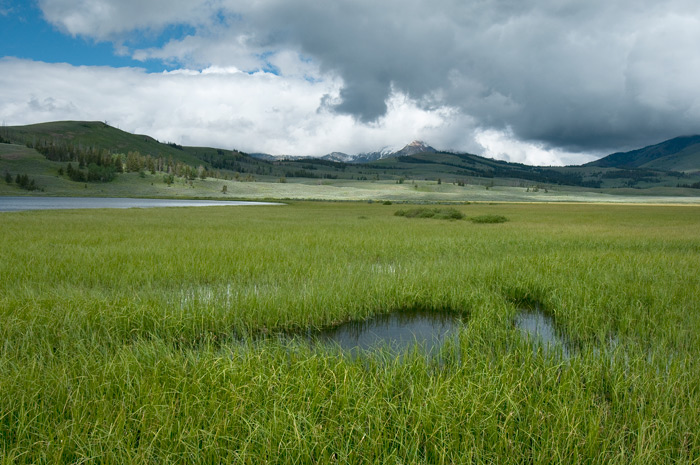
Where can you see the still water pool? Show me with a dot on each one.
(12, 204)
(398, 332)
(540, 329)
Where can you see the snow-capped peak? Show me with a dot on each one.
(417, 146)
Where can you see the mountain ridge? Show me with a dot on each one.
(678, 154)
(411, 148)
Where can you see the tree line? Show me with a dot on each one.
(23, 181)
(90, 164)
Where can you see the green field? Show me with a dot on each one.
(133, 336)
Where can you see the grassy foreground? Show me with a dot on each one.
(123, 335)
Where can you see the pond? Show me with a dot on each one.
(539, 328)
(12, 204)
(398, 332)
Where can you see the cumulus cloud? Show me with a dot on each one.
(564, 77)
(109, 19)
(503, 145)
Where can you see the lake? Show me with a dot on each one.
(13, 204)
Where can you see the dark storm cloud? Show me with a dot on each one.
(370, 46)
(575, 75)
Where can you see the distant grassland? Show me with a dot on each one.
(122, 335)
(18, 159)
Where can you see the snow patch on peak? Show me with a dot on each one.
(417, 146)
(387, 150)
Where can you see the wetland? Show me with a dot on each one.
(116, 346)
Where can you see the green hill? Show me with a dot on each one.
(98, 135)
(678, 154)
(97, 146)
(94, 134)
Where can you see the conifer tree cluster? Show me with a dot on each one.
(22, 180)
(92, 164)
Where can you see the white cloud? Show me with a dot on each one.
(503, 145)
(110, 19)
(221, 107)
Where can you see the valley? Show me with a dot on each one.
(418, 172)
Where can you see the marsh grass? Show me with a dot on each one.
(128, 336)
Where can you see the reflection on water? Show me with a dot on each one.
(399, 332)
(540, 329)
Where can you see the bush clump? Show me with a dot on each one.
(436, 213)
(489, 219)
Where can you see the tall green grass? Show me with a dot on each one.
(126, 336)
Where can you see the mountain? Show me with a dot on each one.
(678, 154)
(368, 157)
(339, 157)
(413, 148)
(263, 156)
(268, 157)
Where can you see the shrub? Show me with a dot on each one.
(449, 214)
(489, 219)
(437, 213)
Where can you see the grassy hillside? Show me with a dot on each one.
(678, 154)
(93, 134)
(476, 169)
(97, 135)
(467, 166)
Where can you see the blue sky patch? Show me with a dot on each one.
(25, 34)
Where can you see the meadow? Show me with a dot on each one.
(17, 159)
(153, 336)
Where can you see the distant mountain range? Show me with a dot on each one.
(678, 154)
(413, 148)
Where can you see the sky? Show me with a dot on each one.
(543, 82)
